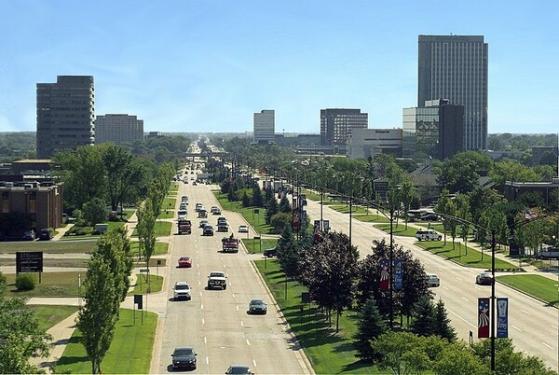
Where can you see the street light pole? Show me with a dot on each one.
(391, 267)
(493, 244)
(350, 217)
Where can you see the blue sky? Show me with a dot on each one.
(208, 65)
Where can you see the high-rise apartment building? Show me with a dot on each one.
(118, 129)
(336, 124)
(435, 129)
(65, 114)
(455, 67)
(264, 126)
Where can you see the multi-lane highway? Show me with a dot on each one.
(533, 326)
(215, 322)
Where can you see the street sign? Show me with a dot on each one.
(502, 317)
(29, 261)
(483, 318)
(138, 300)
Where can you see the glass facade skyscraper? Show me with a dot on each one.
(455, 67)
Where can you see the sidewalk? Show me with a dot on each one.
(62, 232)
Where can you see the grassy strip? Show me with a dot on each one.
(166, 214)
(53, 284)
(440, 228)
(539, 287)
(473, 259)
(48, 316)
(52, 247)
(329, 353)
(160, 248)
(344, 209)
(141, 287)
(257, 222)
(129, 353)
(169, 203)
(399, 230)
(161, 229)
(316, 197)
(253, 246)
(371, 218)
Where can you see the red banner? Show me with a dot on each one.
(384, 282)
(483, 317)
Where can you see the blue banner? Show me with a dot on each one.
(398, 274)
(502, 317)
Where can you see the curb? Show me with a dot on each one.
(304, 361)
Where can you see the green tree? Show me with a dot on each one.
(287, 252)
(146, 230)
(257, 199)
(272, 209)
(442, 325)
(424, 323)
(117, 163)
(94, 211)
(279, 221)
(97, 318)
(402, 353)
(284, 205)
(456, 359)
(407, 194)
(370, 326)
(245, 199)
(444, 207)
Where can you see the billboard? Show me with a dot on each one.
(29, 261)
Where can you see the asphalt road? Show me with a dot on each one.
(215, 322)
(532, 325)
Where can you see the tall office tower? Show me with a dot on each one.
(336, 124)
(264, 126)
(65, 114)
(455, 67)
(118, 129)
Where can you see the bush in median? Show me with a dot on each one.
(25, 282)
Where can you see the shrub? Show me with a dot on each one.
(279, 221)
(25, 282)
(94, 211)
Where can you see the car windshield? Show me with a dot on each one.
(181, 287)
(185, 351)
(217, 274)
(257, 302)
(238, 370)
(185, 258)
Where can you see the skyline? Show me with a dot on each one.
(214, 64)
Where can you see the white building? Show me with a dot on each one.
(264, 126)
(371, 142)
(118, 129)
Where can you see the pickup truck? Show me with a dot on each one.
(230, 245)
(217, 280)
(428, 235)
(185, 226)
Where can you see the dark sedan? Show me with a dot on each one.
(184, 358)
(257, 306)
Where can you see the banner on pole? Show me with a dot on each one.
(483, 317)
(398, 275)
(384, 282)
(502, 317)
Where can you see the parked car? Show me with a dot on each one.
(431, 216)
(185, 262)
(28, 235)
(184, 358)
(238, 370)
(257, 306)
(484, 278)
(182, 290)
(243, 229)
(208, 230)
(428, 235)
(270, 252)
(46, 234)
(203, 223)
(432, 280)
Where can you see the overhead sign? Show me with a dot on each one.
(502, 317)
(29, 261)
(483, 317)
(398, 274)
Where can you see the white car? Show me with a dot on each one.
(428, 235)
(243, 229)
(432, 280)
(182, 290)
(182, 214)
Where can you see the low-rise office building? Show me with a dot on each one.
(336, 124)
(118, 129)
(371, 142)
(41, 203)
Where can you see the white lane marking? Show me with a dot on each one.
(201, 307)
(248, 342)
(242, 323)
(254, 362)
(465, 299)
(199, 283)
(549, 346)
(237, 307)
(461, 318)
(205, 340)
(515, 327)
(203, 321)
(200, 294)
(207, 361)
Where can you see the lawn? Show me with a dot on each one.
(344, 209)
(162, 229)
(169, 203)
(253, 246)
(54, 247)
(328, 352)
(473, 259)
(156, 282)
(174, 187)
(160, 248)
(316, 197)
(53, 284)
(371, 218)
(399, 230)
(537, 286)
(440, 228)
(166, 214)
(129, 353)
(48, 316)
(257, 222)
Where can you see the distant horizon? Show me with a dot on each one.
(209, 65)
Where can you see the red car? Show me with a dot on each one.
(185, 262)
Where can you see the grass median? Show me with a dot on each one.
(328, 352)
(160, 248)
(48, 316)
(129, 353)
(398, 230)
(161, 229)
(166, 214)
(257, 221)
(51, 247)
(473, 258)
(53, 284)
(168, 203)
(141, 287)
(253, 246)
(539, 287)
